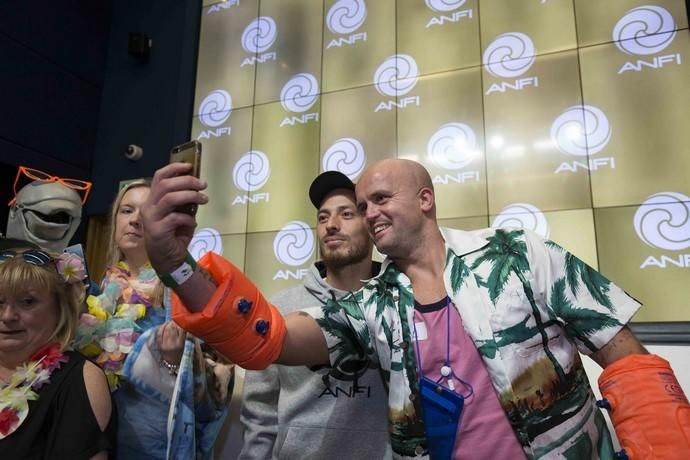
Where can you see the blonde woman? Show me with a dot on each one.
(151, 363)
(54, 404)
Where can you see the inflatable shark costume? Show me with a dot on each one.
(46, 214)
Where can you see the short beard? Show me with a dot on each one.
(337, 260)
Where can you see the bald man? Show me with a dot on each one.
(476, 333)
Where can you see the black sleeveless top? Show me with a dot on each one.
(61, 424)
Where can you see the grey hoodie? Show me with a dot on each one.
(296, 413)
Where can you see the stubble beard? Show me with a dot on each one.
(355, 253)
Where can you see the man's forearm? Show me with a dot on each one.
(624, 343)
(196, 292)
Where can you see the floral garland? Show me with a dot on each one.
(71, 267)
(109, 330)
(24, 384)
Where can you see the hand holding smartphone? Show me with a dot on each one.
(189, 152)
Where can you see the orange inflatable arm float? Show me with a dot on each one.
(237, 321)
(648, 408)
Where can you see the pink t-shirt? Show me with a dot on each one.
(484, 431)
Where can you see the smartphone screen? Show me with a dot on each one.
(189, 152)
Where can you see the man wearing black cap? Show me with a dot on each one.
(527, 306)
(294, 412)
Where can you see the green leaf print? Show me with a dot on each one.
(580, 274)
(580, 322)
(458, 271)
(507, 253)
(597, 285)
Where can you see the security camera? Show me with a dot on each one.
(134, 152)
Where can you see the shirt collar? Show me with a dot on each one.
(458, 241)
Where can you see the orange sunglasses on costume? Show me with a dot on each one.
(38, 175)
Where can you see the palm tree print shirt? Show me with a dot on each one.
(529, 307)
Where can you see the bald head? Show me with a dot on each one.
(397, 200)
(410, 172)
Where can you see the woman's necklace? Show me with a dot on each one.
(23, 385)
(109, 330)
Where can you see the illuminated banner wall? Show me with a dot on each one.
(566, 117)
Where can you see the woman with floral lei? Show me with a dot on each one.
(54, 404)
(158, 374)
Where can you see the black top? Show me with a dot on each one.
(61, 424)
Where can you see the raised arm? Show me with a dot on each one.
(214, 300)
(167, 233)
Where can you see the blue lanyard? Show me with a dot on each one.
(447, 361)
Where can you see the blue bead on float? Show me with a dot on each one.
(622, 455)
(262, 326)
(244, 306)
(604, 404)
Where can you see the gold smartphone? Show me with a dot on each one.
(189, 152)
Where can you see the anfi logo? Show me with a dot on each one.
(510, 55)
(345, 155)
(259, 35)
(346, 16)
(300, 93)
(294, 243)
(523, 215)
(453, 146)
(581, 130)
(251, 172)
(215, 108)
(205, 240)
(663, 221)
(396, 76)
(443, 6)
(644, 30)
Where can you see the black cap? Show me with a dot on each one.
(325, 183)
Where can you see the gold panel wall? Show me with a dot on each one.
(567, 117)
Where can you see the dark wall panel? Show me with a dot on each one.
(147, 103)
(46, 109)
(72, 34)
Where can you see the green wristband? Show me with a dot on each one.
(181, 273)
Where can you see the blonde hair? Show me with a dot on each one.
(18, 276)
(114, 254)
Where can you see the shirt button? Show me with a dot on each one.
(403, 345)
(412, 397)
(396, 297)
(419, 450)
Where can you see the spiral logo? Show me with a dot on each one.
(346, 16)
(644, 30)
(205, 240)
(251, 172)
(259, 35)
(215, 108)
(663, 221)
(510, 55)
(300, 93)
(442, 6)
(453, 146)
(396, 76)
(581, 130)
(345, 155)
(523, 215)
(294, 243)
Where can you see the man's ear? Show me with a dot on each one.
(426, 199)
